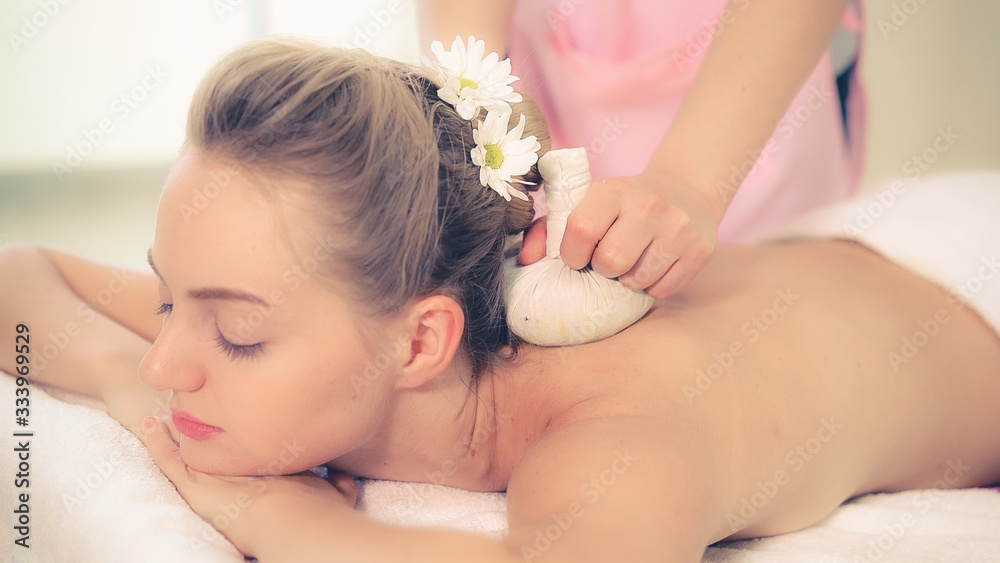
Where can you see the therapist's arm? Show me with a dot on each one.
(442, 20)
(655, 231)
(753, 69)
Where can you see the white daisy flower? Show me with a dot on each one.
(468, 81)
(502, 154)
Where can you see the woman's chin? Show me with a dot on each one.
(213, 463)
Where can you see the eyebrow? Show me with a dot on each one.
(211, 292)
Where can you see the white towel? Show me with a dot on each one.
(932, 526)
(945, 228)
(95, 494)
(424, 504)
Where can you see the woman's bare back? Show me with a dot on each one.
(813, 372)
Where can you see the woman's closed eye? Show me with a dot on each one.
(237, 351)
(233, 351)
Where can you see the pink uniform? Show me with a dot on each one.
(610, 76)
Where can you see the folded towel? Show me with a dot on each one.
(428, 505)
(944, 227)
(958, 526)
(95, 494)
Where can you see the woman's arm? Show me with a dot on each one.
(89, 326)
(128, 297)
(622, 489)
(442, 20)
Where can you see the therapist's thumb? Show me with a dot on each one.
(533, 247)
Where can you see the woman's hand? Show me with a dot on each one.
(244, 508)
(652, 233)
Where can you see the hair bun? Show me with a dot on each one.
(520, 213)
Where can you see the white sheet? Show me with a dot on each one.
(96, 496)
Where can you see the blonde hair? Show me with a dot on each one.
(388, 169)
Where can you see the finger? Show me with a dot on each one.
(345, 484)
(698, 252)
(620, 249)
(680, 274)
(533, 246)
(588, 223)
(649, 268)
(165, 451)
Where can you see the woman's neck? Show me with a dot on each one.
(456, 433)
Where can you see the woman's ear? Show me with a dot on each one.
(435, 325)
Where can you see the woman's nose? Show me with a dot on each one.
(168, 365)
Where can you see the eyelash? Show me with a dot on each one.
(234, 352)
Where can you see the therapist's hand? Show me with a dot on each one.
(652, 232)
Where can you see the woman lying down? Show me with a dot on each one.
(328, 269)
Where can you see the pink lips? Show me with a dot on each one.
(192, 427)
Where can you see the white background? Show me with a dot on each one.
(61, 78)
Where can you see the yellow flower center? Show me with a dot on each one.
(463, 82)
(494, 156)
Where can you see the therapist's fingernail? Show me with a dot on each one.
(149, 424)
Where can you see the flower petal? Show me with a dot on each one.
(517, 164)
(466, 107)
(517, 193)
(478, 154)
